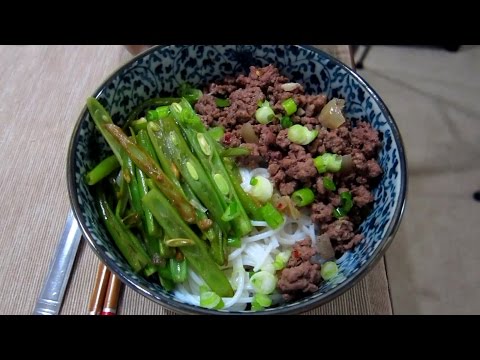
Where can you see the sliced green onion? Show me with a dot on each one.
(264, 114)
(303, 197)
(271, 215)
(221, 103)
(236, 151)
(235, 242)
(320, 164)
(290, 106)
(329, 270)
(221, 184)
(209, 299)
(140, 124)
(178, 242)
(333, 162)
(286, 122)
(191, 169)
(262, 189)
(256, 306)
(329, 184)
(263, 282)
(328, 162)
(190, 93)
(269, 268)
(232, 211)
(203, 144)
(347, 202)
(216, 132)
(160, 112)
(154, 126)
(281, 259)
(262, 300)
(339, 212)
(299, 134)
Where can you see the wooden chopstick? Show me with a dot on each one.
(106, 292)
(95, 306)
(111, 298)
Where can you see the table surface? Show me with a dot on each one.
(42, 93)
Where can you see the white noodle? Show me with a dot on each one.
(258, 250)
(258, 223)
(261, 236)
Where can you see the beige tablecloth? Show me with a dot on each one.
(42, 91)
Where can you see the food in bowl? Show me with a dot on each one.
(238, 197)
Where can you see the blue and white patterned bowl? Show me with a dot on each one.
(160, 70)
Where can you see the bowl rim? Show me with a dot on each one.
(308, 304)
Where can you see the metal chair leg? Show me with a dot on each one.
(359, 64)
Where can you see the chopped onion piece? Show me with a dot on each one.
(331, 115)
(286, 205)
(324, 247)
(248, 134)
(347, 163)
(290, 86)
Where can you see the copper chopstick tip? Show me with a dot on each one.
(98, 295)
(112, 296)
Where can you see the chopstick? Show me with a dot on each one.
(105, 294)
(97, 298)
(111, 298)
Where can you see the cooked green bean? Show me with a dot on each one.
(242, 222)
(158, 147)
(176, 148)
(178, 269)
(102, 170)
(160, 262)
(251, 206)
(101, 117)
(148, 166)
(188, 117)
(122, 195)
(150, 103)
(134, 190)
(198, 256)
(126, 241)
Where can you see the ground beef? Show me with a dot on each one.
(287, 188)
(373, 168)
(300, 276)
(336, 141)
(321, 213)
(208, 110)
(261, 77)
(362, 196)
(244, 103)
(282, 139)
(223, 90)
(298, 164)
(365, 138)
(291, 166)
(267, 136)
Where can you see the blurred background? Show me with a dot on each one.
(434, 94)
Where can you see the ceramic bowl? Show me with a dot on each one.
(160, 70)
